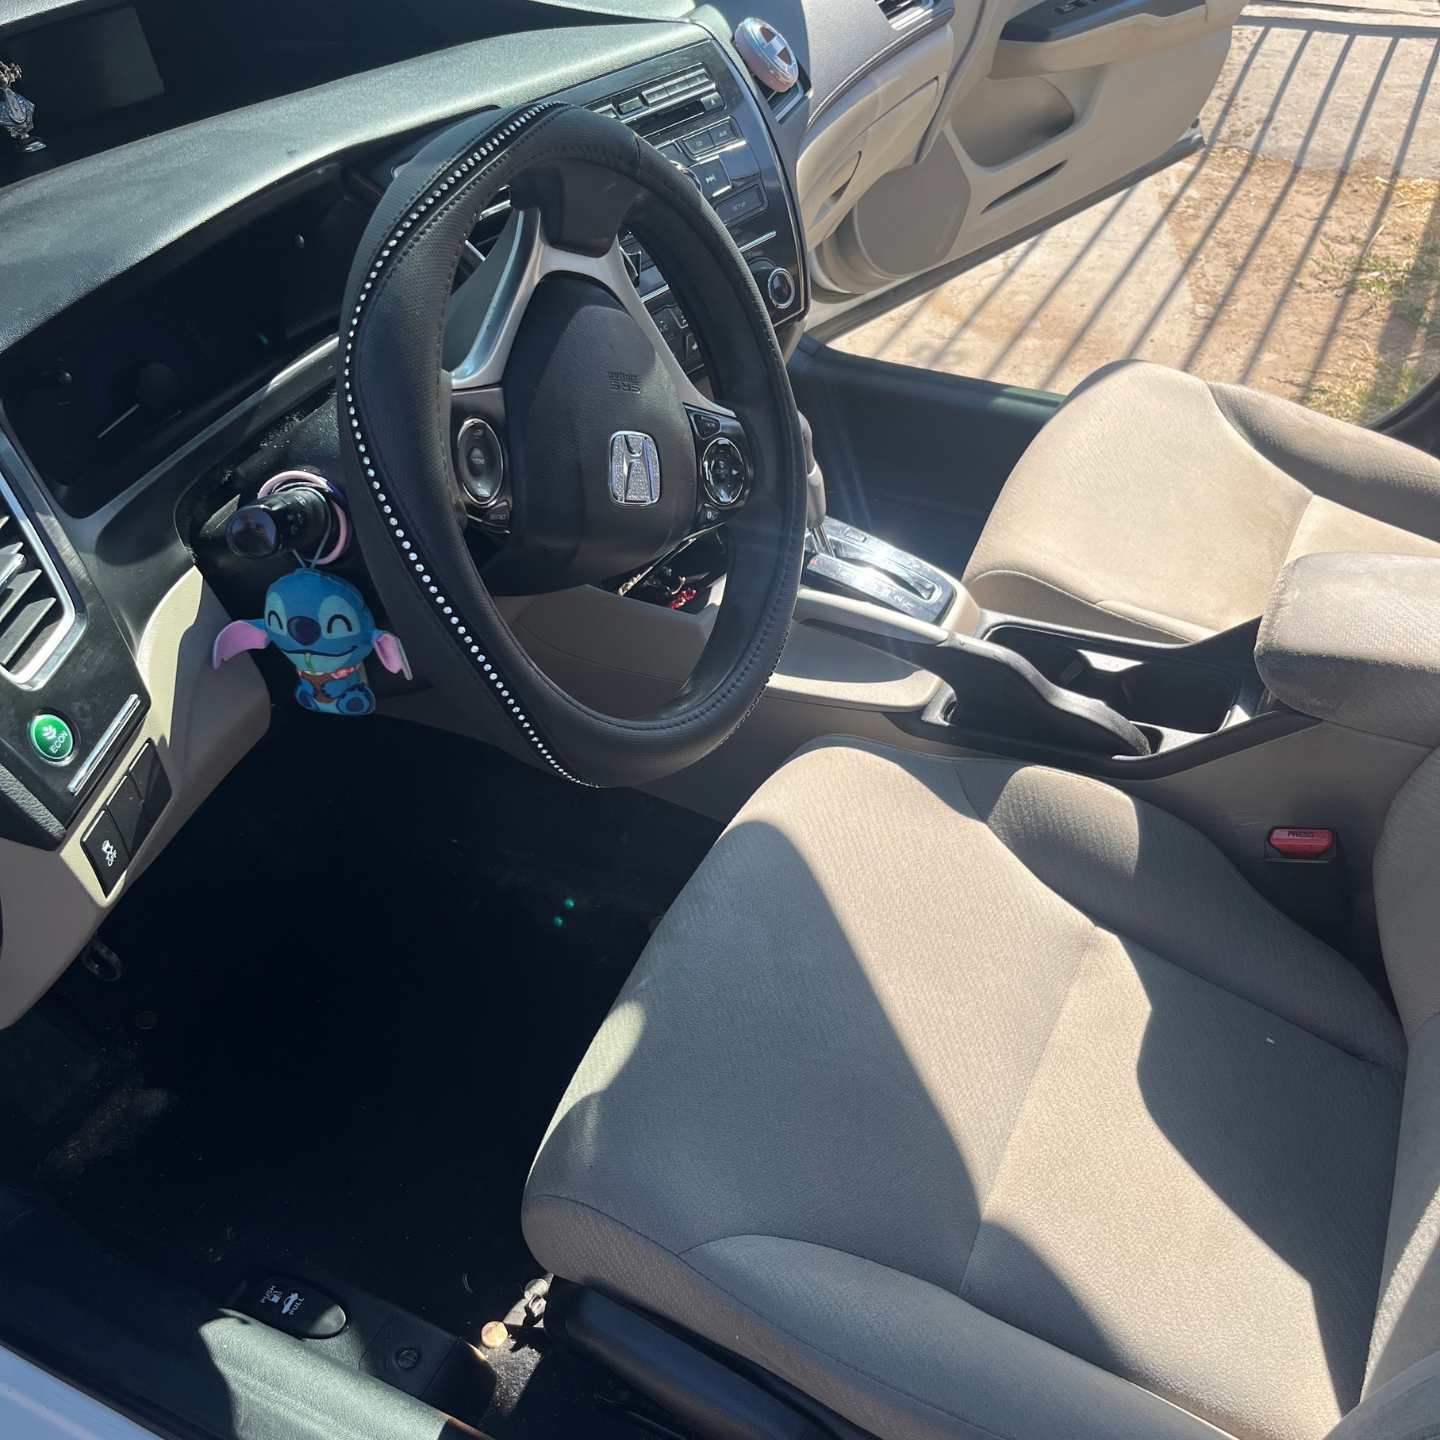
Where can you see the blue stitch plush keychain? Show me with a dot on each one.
(321, 624)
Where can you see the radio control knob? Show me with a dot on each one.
(776, 284)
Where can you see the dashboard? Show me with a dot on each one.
(103, 393)
(172, 265)
(102, 399)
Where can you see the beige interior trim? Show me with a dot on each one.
(626, 657)
(1125, 39)
(202, 721)
(620, 656)
(875, 128)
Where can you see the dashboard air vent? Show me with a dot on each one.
(34, 608)
(898, 12)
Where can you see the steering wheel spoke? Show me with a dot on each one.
(485, 313)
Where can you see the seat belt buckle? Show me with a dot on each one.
(1306, 877)
(1301, 843)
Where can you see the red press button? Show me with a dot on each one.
(1297, 844)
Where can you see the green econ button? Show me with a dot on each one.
(52, 737)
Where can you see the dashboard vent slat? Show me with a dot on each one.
(12, 558)
(14, 592)
(900, 10)
(34, 607)
(21, 633)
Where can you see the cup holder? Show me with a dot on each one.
(1164, 693)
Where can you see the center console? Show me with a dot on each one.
(1023, 688)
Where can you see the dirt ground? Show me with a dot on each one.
(1319, 286)
(1299, 254)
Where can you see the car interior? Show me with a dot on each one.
(577, 861)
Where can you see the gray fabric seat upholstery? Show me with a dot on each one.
(1159, 506)
(979, 1099)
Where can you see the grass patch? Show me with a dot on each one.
(1406, 284)
(1389, 283)
(1367, 395)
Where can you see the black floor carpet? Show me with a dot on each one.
(354, 989)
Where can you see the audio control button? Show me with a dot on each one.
(738, 206)
(724, 473)
(714, 181)
(740, 163)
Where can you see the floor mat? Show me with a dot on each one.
(354, 989)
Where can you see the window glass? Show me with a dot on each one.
(1299, 253)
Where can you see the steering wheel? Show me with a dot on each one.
(532, 430)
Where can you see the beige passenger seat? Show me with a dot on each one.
(979, 1099)
(1159, 506)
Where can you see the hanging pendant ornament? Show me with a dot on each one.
(321, 624)
(17, 114)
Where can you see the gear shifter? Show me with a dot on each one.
(841, 557)
(816, 537)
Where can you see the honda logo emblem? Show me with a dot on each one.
(634, 469)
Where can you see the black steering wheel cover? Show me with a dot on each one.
(394, 412)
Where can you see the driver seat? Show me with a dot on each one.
(980, 1099)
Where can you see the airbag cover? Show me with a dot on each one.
(581, 371)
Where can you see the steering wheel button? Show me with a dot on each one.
(481, 460)
(51, 738)
(724, 468)
(705, 425)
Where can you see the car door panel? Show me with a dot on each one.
(1051, 38)
(877, 125)
(1045, 106)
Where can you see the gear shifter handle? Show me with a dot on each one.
(814, 492)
